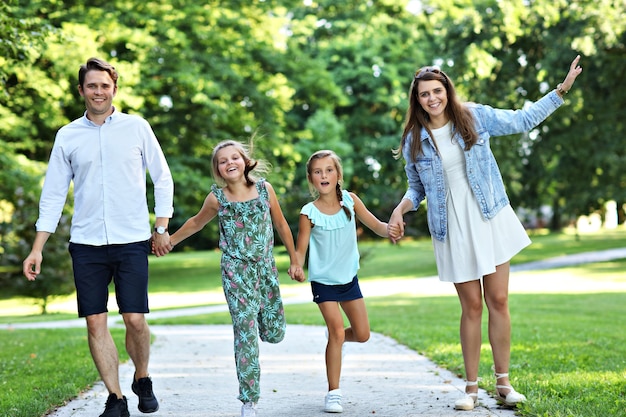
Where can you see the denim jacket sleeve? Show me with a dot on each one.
(499, 122)
(482, 169)
(415, 191)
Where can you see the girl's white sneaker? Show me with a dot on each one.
(333, 402)
(248, 410)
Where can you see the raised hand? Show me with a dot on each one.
(574, 71)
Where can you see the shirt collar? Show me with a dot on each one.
(109, 118)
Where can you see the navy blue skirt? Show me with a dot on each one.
(343, 292)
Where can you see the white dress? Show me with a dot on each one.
(473, 247)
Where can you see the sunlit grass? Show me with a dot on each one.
(188, 279)
(568, 354)
(41, 369)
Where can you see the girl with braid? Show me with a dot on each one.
(247, 208)
(328, 229)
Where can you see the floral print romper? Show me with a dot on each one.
(250, 282)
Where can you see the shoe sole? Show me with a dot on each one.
(502, 402)
(147, 410)
(124, 413)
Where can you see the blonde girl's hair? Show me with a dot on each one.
(337, 161)
(254, 169)
(417, 118)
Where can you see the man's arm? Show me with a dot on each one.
(32, 264)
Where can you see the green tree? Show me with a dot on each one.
(587, 170)
(21, 38)
(370, 51)
(505, 53)
(19, 194)
(297, 74)
(228, 85)
(18, 36)
(208, 74)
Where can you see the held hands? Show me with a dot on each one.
(296, 273)
(395, 227)
(161, 244)
(393, 232)
(574, 71)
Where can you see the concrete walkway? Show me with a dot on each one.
(194, 376)
(193, 367)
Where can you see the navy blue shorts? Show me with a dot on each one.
(96, 266)
(342, 292)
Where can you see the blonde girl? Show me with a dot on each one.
(247, 207)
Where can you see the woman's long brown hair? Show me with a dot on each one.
(417, 118)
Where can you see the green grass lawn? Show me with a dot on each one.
(568, 352)
(43, 368)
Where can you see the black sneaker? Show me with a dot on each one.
(147, 401)
(115, 407)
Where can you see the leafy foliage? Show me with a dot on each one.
(306, 75)
(21, 181)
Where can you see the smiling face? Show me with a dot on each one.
(98, 91)
(433, 98)
(324, 175)
(230, 164)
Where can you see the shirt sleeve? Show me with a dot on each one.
(160, 175)
(54, 191)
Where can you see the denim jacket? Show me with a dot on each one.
(425, 174)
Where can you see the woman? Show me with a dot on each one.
(475, 231)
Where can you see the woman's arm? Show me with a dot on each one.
(500, 122)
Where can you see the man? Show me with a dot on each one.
(106, 154)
